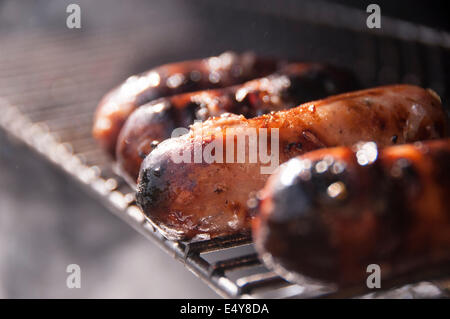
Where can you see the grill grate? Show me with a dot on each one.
(50, 85)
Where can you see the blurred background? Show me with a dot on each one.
(47, 221)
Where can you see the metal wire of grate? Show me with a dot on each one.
(48, 104)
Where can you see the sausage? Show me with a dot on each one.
(206, 196)
(220, 71)
(154, 122)
(330, 213)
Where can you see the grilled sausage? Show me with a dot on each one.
(332, 212)
(188, 195)
(155, 121)
(221, 71)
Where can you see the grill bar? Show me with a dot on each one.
(234, 263)
(217, 243)
(248, 284)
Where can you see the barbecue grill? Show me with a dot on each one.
(51, 82)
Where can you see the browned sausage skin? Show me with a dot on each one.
(205, 199)
(221, 71)
(330, 213)
(293, 84)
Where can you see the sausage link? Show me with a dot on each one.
(208, 197)
(154, 122)
(330, 213)
(214, 72)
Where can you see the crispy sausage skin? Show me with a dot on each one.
(330, 213)
(293, 84)
(206, 198)
(214, 72)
